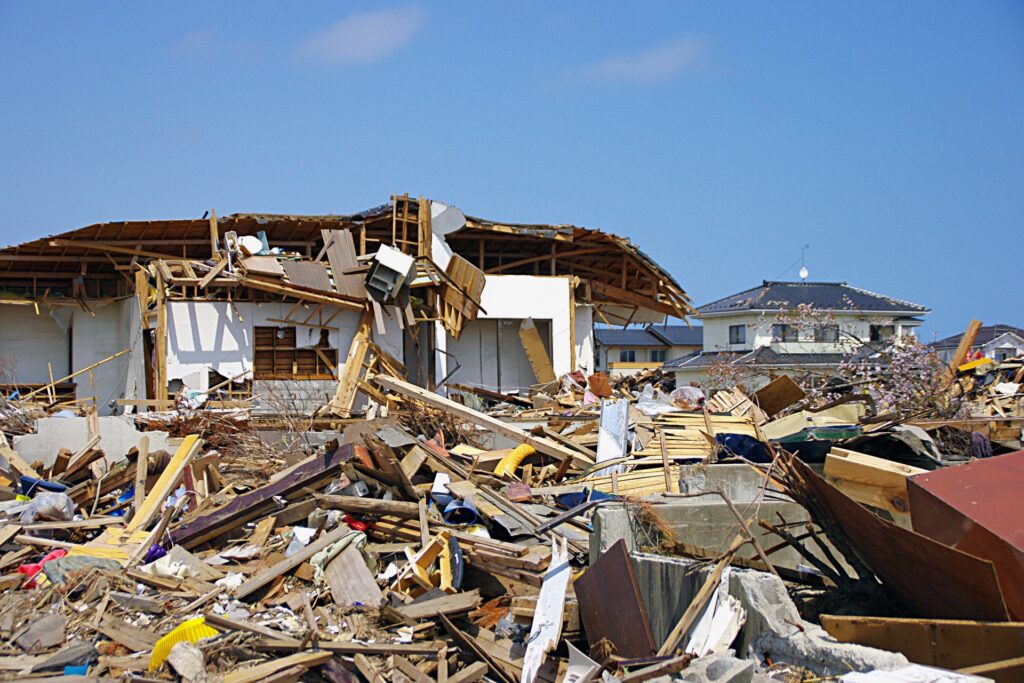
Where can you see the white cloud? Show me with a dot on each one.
(363, 37)
(650, 66)
(198, 43)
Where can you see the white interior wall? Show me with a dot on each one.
(491, 355)
(94, 338)
(511, 299)
(29, 341)
(517, 297)
(585, 360)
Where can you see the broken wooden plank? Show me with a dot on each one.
(425, 649)
(289, 563)
(945, 643)
(446, 604)
(873, 481)
(535, 352)
(350, 580)
(166, 484)
(312, 474)
(261, 672)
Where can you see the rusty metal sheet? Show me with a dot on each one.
(308, 274)
(931, 578)
(611, 607)
(977, 508)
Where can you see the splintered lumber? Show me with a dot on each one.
(640, 482)
(18, 463)
(871, 481)
(166, 484)
(945, 643)
(289, 563)
(261, 672)
(535, 352)
(691, 433)
(544, 446)
(312, 474)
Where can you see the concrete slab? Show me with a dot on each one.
(118, 435)
(773, 627)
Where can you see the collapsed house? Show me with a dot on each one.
(290, 311)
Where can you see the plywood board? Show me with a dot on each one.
(308, 275)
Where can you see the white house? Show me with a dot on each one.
(633, 349)
(793, 328)
(998, 342)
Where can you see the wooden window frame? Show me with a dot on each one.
(288, 362)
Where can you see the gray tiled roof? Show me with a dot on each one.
(828, 296)
(985, 334)
(763, 356)
(651, 335)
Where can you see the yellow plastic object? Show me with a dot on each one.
(192, 630)
(974, 364)
(510, 462)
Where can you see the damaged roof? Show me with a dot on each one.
(761, 357)
(618, 275)
(828, 296)
(651, 335)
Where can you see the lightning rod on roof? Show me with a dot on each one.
(803, 262)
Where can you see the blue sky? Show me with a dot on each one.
(720, 137)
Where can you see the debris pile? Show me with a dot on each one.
(290, 480)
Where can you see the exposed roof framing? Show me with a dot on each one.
(614, 271)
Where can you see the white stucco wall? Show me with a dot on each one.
(852, 327)
(28, 341)
(214, 335)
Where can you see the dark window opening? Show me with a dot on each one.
(276, 356)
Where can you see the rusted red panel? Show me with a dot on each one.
(931, 578)
(978, 508)
(611, 607)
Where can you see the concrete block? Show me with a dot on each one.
(773, 627)
(118, 435)
(740, 482)
(720, 667)
(705, 522)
